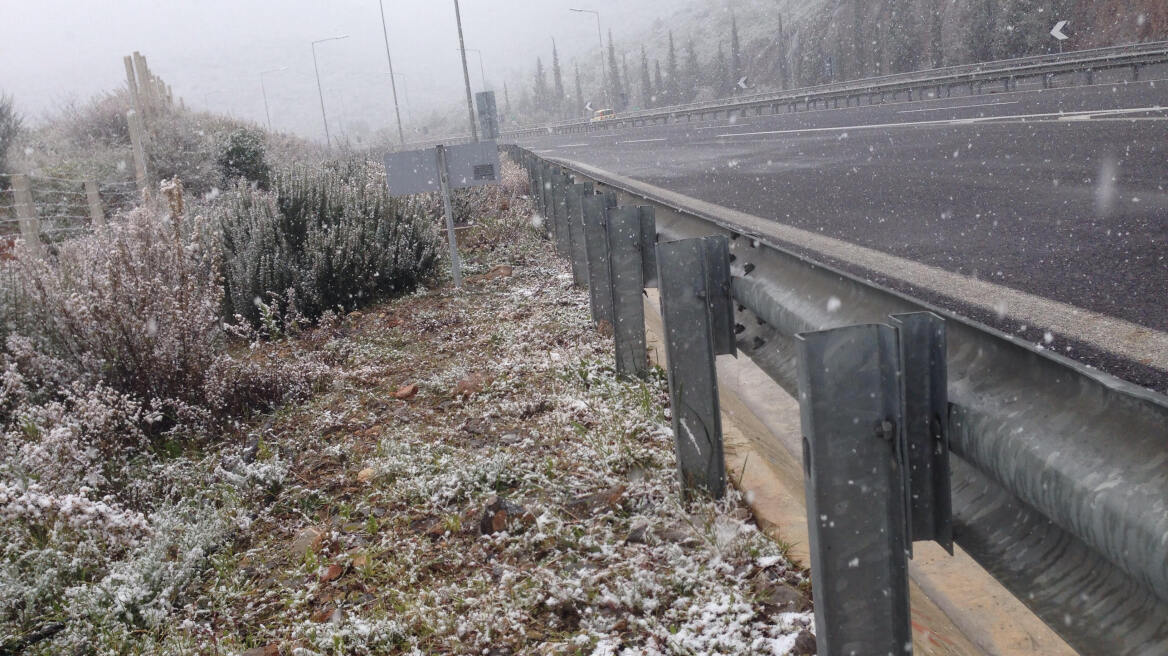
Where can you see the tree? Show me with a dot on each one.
(784, 76)
(904, 36)
(658, 82)
(673, 76)
(982, 22)
(557, 102)
(859, 48)
(736, 68)
(540, 89)
(721, 74)
(693, 71)
(506, 100)
(936, 34)
(648, 96)
(616, 89)
(10, 124)
(580, 102)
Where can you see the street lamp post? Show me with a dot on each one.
(600, 40)
(474, 130)
(264, 89)
(319, 91)
(392, 83)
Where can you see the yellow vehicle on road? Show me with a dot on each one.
(603, 115)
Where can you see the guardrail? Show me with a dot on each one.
(1058, 473)
(940, 81)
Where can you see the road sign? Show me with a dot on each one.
(488, 115)
(588, 106)
(443, 169)
(742, 82)
(1058, 33)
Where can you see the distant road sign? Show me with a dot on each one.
(588, 106)
(742, 82)
(1058, 33)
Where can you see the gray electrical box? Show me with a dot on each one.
(488, 114)
(416, 171)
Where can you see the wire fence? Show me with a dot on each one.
(62, 205)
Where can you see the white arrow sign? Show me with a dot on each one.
(588, 106)
(1057, 32)
(742, 82)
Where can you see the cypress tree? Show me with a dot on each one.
(673, 79)
(693, 71)
(648, 97)
(558, 97)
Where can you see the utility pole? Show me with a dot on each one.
(319, 91)
(600, 41)
(474, 131)
(401, 135)
(264, 89)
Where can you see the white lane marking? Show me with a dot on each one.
(1062, 116)
(573, 145)
(1139, 343)
(942, 109)
(640, 141)
(728, 125)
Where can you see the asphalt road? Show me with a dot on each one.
(1058, 193)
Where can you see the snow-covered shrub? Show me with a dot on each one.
(183, 146)
(333, 238)
(242, 155)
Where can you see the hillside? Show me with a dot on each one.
(793, 43)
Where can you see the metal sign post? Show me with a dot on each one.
(454, 167)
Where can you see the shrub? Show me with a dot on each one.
(320, 240)
(179, 147)
(10, 123)
(242, 155)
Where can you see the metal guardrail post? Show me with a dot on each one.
(854, 474)
(685, 271)
(648, 243)
(924, 390)
(559, 212)
(574, 220)
(595, 236)
(627, 284)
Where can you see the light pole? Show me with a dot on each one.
(263, 89)
(482, 69)
(600, 40)
(474, 130)
(319, 91)
(392, 83)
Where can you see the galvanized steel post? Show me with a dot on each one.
(854, 474)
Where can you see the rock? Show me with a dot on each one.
(604, 327)
(676, 535)
(365, 475)
(472, 384)
(328, 614)
(501, 515)
(406, 392)
(804, 644)
(360, 560)
(609, 499)
(638, 535)
(267, 650)
(500, 271)
(307, 540)
(334, 572)
(778, 596)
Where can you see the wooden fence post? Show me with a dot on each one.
(137, 142)
(132, 83)
(30, 223)
(96, 215)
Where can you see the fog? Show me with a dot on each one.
(211, 52)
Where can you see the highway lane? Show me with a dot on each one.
(1060, 193)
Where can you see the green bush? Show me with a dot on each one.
(242, 155)
(320, 240)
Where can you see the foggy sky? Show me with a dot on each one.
(211, 51)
